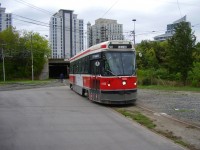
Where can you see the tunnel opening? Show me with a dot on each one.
(58, 67)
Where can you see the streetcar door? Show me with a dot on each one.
(95, 81)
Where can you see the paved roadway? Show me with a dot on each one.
(56, 118)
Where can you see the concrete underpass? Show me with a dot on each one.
(58, 66)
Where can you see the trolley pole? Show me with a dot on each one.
(134, 20)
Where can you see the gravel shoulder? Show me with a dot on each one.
(179, 104)
(175, 113)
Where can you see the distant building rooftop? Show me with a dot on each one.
(170, 30)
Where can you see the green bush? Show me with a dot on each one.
(194, 74)
(175, 76)
(146, 77)
(159, 76)
(161, 73)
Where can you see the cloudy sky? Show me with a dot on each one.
(152, 16)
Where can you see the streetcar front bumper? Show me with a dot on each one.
(118, 97)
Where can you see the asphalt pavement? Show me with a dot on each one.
(56, 118)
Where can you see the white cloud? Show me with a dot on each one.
(151, 15)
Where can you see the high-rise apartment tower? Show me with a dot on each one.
(5, 19)
(66, 34)
(104, 30)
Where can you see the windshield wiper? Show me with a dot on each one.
(111, 72)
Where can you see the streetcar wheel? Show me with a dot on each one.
(83, 92)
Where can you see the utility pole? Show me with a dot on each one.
(32, 59)
(4, 72)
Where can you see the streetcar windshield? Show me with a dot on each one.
(119, 63)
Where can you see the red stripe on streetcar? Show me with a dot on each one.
(86, 81)
(117, 83)
(107, 83)
(72, 79)
(104, 46)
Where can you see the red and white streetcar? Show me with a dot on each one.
(106, 72)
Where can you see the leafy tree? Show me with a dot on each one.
(196, 53)
(194, 74)
(151, 65)
(9, 44)
(181, 48)
(38, 46)
(148, 59)
(153, 54)
(17, 51)
(9, 40)
(161, 52)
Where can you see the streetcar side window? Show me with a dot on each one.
(87, 64)
(82, 65)
(79, 66)
(71, 68)
(76, 67)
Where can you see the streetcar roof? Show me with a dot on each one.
(101, 47)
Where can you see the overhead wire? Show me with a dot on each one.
(36, 22)
(110, 8)
(179, 8)
(34, 7)
(37, 8)
(30, 19)
(68, 29)
(31, 22)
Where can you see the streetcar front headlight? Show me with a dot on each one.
(108, 84)
(123, 82)
(135, 83)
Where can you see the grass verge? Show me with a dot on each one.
(176, 139)
(25, 82)
(147, 122)
(138, 117)
(170, 88)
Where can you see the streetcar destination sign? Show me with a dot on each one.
(121, 46)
